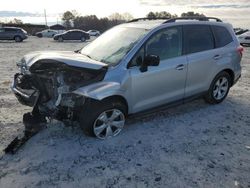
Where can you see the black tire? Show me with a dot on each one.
(93, 108)
(83, 39)
(209, 97)
(18, 39)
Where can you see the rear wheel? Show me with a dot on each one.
(18, 39)
(83, 39)
(219, 88)
(103, 119)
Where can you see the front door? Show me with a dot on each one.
(164, 83)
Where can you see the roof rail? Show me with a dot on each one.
(199, 18)
(139, 19)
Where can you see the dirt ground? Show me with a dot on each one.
(191, 145)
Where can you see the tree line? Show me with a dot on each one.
(72, 19)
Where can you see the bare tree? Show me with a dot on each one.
(16, 21)
(127, 16)
(75, 13)
(116, 16)
(68, 18)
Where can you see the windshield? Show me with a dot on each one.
(114, 44)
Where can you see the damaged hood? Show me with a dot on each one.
(67, 57)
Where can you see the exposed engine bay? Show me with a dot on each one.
(48, 87)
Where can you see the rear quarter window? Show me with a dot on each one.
(197, 38)
(222, 36)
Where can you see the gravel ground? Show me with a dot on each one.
(191, 145)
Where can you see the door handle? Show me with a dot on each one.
(216, 57)
(179, 67)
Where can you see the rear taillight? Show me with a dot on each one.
(240, 49)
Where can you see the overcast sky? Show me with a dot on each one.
(236, 12)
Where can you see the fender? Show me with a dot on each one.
(101, 90)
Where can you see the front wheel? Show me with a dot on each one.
(219, 88)
(103, 119)
(18, 39)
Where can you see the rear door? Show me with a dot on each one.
(78, 35)
(199, 46)
(73, 35)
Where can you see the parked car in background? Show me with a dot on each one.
(13, 33)
(244, 39)
(46, 33)
(73, 34)
(241, 31)
(93, 33)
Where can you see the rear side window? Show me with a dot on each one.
(10, 30)
(222, 36)
(197, 38)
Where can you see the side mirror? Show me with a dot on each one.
(149, 60)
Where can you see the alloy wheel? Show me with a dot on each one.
(109, 123)
(220, 88)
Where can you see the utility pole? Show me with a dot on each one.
(45, 16)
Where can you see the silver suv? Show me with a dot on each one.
(131, 68)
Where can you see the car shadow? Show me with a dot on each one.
(11, 42)
(181, 110)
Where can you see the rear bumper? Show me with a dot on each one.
(24, 37)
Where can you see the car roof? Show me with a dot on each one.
(75, 30)
(149, 24)
(12, 27)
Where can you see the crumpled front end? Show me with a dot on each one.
(24, 90)
(49, 86)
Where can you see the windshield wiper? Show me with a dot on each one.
(88, 56)
(79, 51)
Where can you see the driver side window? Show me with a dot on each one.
(166, 44)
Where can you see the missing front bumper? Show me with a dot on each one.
(24, 92)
